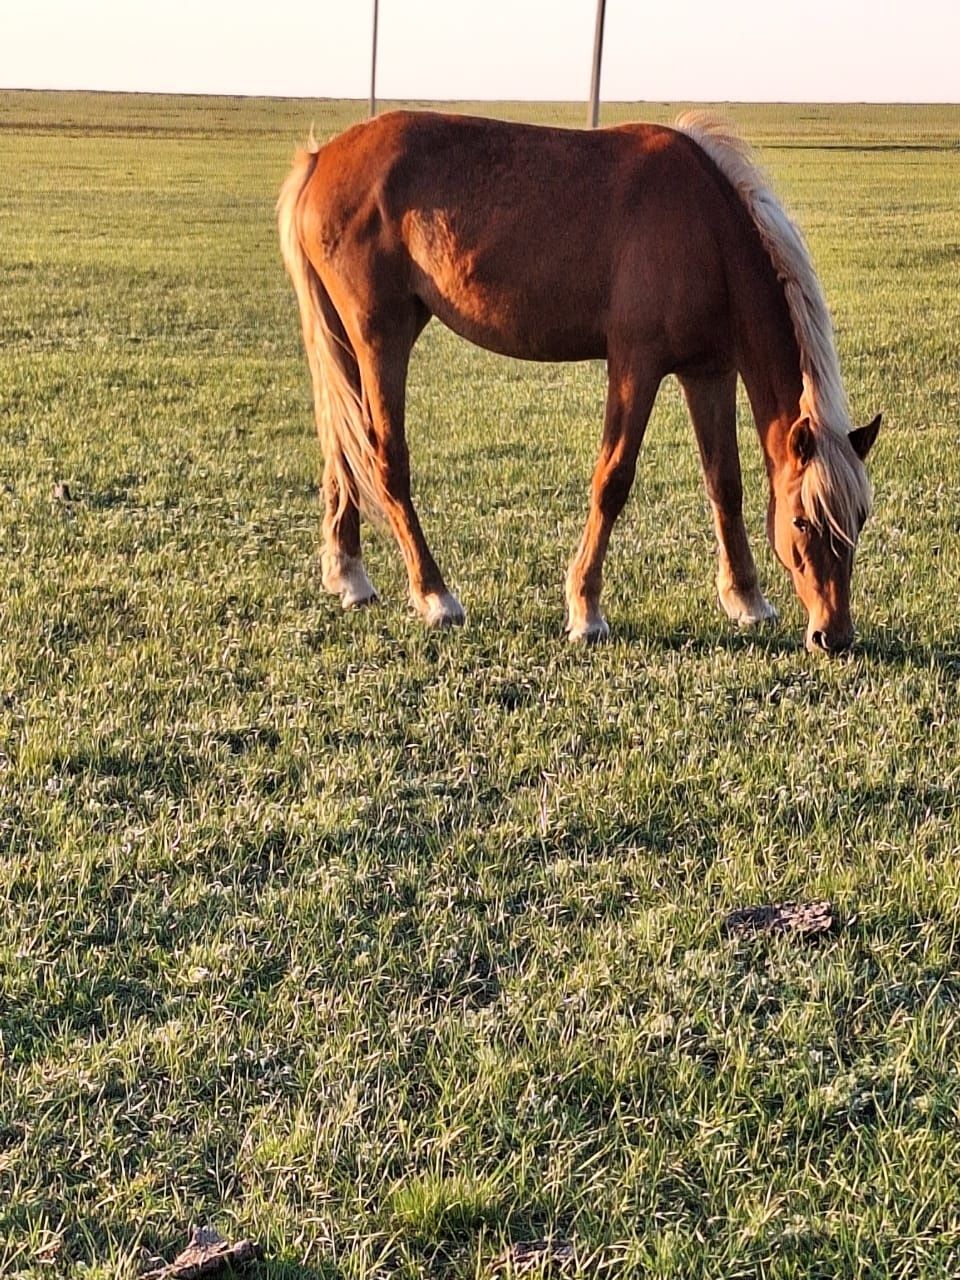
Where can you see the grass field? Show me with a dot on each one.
(390, 948)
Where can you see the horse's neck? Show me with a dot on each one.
(769, 361)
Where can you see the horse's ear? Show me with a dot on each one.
(862, 438)
(801, 442)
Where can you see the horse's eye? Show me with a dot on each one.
(801, 524)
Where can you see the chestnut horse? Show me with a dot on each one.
(658, 250)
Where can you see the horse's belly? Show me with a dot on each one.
(526, 324)
(508, 292)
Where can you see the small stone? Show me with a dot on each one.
(543, 1257)
(807, 919)
(206, 1254)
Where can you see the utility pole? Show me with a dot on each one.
(593, 118)
(373, 62)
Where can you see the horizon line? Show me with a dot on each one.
(363, 99)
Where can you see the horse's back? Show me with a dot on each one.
(408, 160)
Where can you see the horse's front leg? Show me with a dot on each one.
(712, 401)
(631, 392)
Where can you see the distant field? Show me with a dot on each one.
(386, 948)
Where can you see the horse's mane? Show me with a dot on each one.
(836, 491)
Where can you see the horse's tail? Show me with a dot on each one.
(337, 393)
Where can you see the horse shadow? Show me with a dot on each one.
(898, 651)
(894, 651)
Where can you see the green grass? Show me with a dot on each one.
(388, 948)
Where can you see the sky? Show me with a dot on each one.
(669, 50)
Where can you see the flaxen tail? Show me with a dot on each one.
(337, 393)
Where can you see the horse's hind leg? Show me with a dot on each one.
(342, 571)
(341, 563)
(383, 357)
(712, 400)
(630, 396)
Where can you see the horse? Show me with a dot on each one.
(659, 250)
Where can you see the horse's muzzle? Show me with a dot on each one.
(823, 642)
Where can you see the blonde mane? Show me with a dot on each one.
(835, 489)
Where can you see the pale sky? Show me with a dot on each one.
(672, 50)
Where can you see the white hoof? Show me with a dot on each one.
(589, 630)
(756, 617)
(441, 610)
(345, 576)
(748, 610)
(359, 594)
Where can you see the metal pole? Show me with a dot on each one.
(373, 62)
(593, 118)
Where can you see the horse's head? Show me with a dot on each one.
(819, 500)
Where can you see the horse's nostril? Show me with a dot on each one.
(829, 644)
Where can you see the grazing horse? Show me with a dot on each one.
(658, 250)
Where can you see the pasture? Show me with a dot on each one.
(388, 948)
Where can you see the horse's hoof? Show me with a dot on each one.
(345, 576)
(591, 631)
(442, 611)
(747, 611)
(764, 615)
(351, 599)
